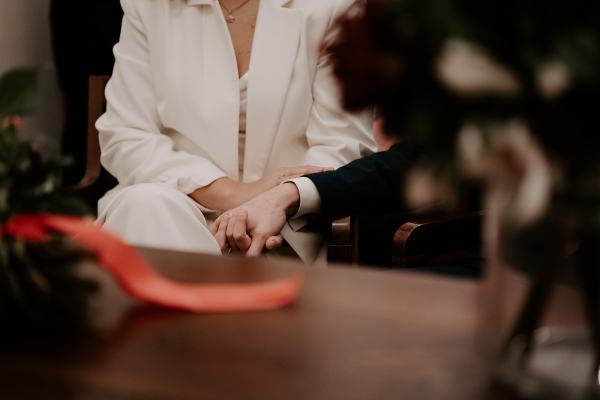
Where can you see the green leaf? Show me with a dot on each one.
(18, 92)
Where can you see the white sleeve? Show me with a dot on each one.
(133, 147)
(334, 136)
(310, 202)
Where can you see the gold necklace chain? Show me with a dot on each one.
(230, 18)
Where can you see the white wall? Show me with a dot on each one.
(25, 41)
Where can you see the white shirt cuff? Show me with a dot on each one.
(310, 202)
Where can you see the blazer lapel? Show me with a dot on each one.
(274, 51)
(203, 91)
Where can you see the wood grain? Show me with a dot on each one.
(353, 334)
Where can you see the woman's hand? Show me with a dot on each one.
(280, 175)
(225, 193)
(257, 224)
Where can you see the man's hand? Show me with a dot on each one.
(257, 224)
(225, 193)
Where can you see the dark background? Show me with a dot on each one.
(83, 35)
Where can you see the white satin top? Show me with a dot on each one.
(242, 129)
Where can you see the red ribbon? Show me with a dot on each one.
(136, 278)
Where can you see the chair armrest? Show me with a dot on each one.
(342, 244)
(365, 239)
(404, 239)
(436, 241)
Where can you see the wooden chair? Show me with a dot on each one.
(401, 240)
(406, 240)
(437, 241)
(96, 180)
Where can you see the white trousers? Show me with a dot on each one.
(160, 216)
(156, 215)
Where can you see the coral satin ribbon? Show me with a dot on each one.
(124, 264)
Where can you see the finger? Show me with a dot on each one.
(256, 247)
(242, 240)
(229, 234)
(226, 250)
(308, 169)
(305, 169)
(215, 226)
(296, 172)
(274, 242)
(221, 238)
(236, 235)
(222, 241)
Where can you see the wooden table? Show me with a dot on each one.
(353, 334)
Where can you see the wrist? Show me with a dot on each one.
(289, 198)
(219, 195)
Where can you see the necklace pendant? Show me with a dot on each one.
(230, 18)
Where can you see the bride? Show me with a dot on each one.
(214, 102)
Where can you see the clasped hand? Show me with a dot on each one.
(257, 224)
(226, 193)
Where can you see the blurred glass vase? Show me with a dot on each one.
(540, 314)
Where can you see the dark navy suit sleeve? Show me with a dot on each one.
(372, 184)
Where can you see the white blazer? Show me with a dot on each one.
(173, 99)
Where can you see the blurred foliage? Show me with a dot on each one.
(18, 92)
(40, 292)
(386, 57)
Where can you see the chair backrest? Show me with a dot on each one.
(364, 239)
(96, 107)
(438, 241)
(96, 180)
(406, 240)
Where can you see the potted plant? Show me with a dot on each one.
(40, 291)
(503, 93)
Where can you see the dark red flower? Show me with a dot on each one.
(367, 54)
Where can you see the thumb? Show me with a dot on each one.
(256, 247)
(273, 242)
